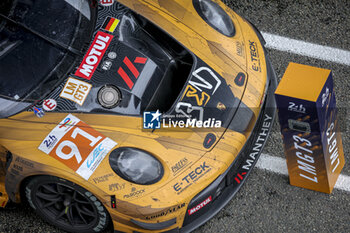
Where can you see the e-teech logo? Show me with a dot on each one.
(151, 120)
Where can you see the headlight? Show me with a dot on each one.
(215, 16)
(136, 165)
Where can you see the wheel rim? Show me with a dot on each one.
(64, 205)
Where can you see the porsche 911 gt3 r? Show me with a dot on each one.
(78, 79)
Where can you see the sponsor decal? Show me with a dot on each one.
(131, 67)
(332, 147)
(38, 112)
(14, 172)
(239, 177)
(258, 145)
(254, 55)
(134, 193)
(200, 206)
(106, 2)
(167, 211)
(17, 167)
(239, 48)
(77, 145)
(94, 55)
(296, 108)
(24, 162)
(191, 177)
(49, 105)
(179, 165)
(110, 24)
(103, 178)
(116, 187)
(76, 90)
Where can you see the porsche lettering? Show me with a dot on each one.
(94, 55)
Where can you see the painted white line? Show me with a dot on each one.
(307, 49)
(279, 165)
(273, 164)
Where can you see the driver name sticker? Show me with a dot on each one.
(76, 90)
(77, 145)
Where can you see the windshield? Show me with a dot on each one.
(40, 40)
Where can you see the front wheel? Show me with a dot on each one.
(66, 205)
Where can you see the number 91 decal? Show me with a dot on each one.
(77, 145)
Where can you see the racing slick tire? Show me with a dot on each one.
(66, 205)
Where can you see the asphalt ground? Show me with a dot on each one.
(267, 203)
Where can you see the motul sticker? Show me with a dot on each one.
(199, 206)
(76, 90)
(77, 145)
(94, 56)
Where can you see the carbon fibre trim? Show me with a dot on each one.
(154, 226)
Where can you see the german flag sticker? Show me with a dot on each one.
(110, 24)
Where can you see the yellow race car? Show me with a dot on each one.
(141, 115)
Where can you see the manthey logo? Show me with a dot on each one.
(156, 120)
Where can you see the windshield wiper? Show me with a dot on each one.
(47, 39)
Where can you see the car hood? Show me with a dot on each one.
(218, 78)
(157, 70)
